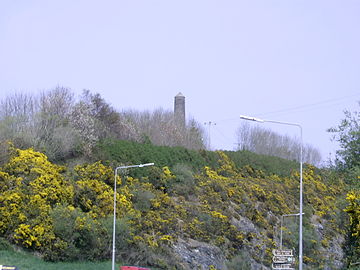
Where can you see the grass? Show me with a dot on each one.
(26, 261)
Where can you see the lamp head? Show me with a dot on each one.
(146, 164)
(249, 118)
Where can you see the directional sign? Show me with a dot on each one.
(282, 252)
(283, 259)
(7, 267)
(283, 266)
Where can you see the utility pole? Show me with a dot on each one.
(209, 124)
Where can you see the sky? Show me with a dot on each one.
(286, 60)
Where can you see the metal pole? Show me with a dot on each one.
(114, 221)
(281, 226)
(301, 203)
(114, 224)
(301, 180)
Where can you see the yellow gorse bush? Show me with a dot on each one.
(30, 186)
(353, 209)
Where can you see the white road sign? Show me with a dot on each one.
(283, 266)
(283, 259)
(282, 252)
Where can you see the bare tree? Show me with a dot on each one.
(54, 134)
(194, 135)
(161, 128)
(17, 113)
(18, 104)
(39, 121)
(267, 142)
(54, 111)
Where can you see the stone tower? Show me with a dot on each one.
(179, 109)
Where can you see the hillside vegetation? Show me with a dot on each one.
(228, 212)
(135, 153)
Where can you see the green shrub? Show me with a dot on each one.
(142, 199)
(184, 182)
(78, 236)
(5, 245)
(123, 236)
(127, 152)
(269, 164)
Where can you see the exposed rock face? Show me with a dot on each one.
(198, 255)
(192, 254)
(245, 225)
(333, 253)
(257, 266)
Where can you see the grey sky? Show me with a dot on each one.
(227, 57)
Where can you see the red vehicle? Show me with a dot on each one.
(133, 268)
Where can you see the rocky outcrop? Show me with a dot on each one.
(333, 252)
(193, 254)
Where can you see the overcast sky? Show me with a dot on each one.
(288, 60)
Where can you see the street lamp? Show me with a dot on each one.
(114, 223)
(301, 176)
(281, 225)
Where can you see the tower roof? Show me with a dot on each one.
(179, 95)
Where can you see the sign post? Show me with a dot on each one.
(283, 259)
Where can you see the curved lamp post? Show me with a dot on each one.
(301, 180)
(114, 223)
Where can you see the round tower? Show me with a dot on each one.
(179, 109)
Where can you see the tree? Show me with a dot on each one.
(106, 118)
(85, 125)
(17, 113)
(347, 134)
(54, 134)
(353, 209)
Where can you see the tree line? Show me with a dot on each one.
(62, 126)
(267, 142)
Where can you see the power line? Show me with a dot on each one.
(312, 105)
(306, 107)
(224, 138)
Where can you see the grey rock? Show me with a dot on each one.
(198, 255)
